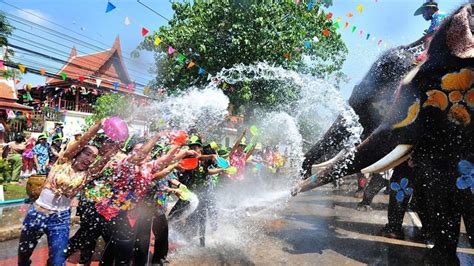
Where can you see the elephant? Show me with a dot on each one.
(429, 123)
(369, 100)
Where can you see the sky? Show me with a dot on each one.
(54, 26)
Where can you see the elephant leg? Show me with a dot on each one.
(377, 182)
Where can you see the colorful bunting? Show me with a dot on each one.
(63, 75)
(97, 82)
(116, 84)
(310, 5)
(131, 87)
(361, 32)
(350, 15)
(315, 39)
(171, 50)
(157, 41)
(146, 90)
(329, 16)
(144, 31)
(379, 42)
(110, 7)
(307, 44)
(336, 25)
(127, 21)
(346, 25)
(360, 8)
(81, 79)
(201, 71)
(326, 32)
(22, 68)
(181, 58)
(354, 29)
(287, 56)
(338, 19)
(42, 71)
(2, 63)
(368, 36)
(191, 64)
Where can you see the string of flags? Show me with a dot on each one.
(64, 76)
(157, 41)
(337, 25)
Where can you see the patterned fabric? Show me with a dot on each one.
(159, 194)
(237, 159)
(63, 180)
(129, 184)
(42, 152)
(436, 21)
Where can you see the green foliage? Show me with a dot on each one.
(219, 34)
(5, 31)
(5, 170)
(113, 104)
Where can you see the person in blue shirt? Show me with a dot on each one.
(430, 11)
(41, 154)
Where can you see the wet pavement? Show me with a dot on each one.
(319, 227)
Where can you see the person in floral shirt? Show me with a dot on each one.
(41, 154)
(132, 178)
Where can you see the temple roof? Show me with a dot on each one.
(106, 65)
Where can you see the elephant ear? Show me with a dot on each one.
(465, 167)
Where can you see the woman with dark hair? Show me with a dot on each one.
(51, 212)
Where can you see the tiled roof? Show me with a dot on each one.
(105, 65)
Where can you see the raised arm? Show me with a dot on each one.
(163, 173)
(74, 148)
(141, 154)
(237, 142)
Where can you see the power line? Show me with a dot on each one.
(58, 25)
(56, 34)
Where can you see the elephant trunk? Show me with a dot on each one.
(367, 153)
(329, 145)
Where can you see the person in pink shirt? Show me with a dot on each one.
(238, 157)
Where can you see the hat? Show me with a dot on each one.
(42, 136)
(194, 140)
(428, 3)
(57, 137)
(157, 149)
(223, 152)
(59, 124)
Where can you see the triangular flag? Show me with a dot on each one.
(310, 5)
(42, 71)
(346, 25)
(81, 79)
(201, 71)
(63, 75)
(349, 15)
(1, 63)
(326, 32)
(22, 68)
(307, 44)
(315, 39)
(144, 31)
(146, 90)
(368, 36)
(191, 64)
(360, 8)
(157, 41)
(171, 50)
(181, 58)
(127, 21)
(116, 84)
(336, 25)
(110, 7)
(329, 16)
(354, 28)
(379, 42)
(361, 32)
(287, 56)
(338, 19)
(97, 82)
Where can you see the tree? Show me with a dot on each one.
(112, 104)
(218, 34)
(5, 31)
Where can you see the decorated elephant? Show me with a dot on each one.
(430, 122)
(370, 100)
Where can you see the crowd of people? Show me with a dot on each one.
(123, 190)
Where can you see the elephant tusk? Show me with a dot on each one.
(328, 162)
(398, 155)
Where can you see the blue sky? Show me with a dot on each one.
(86, 21)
